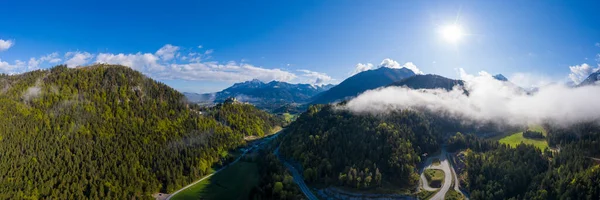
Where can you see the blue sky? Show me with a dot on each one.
(531, 42)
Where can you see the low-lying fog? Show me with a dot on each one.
(489, 99)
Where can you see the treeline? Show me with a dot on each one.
(103, 132)
(335, 146)
(533, 134)
(496, 171)
(276, 182)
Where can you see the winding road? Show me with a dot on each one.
(297, 178)
(449, 176)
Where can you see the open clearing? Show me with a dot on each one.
(434, 174)
(234, 182)
(516, 138)
(435, 177)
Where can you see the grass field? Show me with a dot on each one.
(235, 182)
(434, 174)
(516, 138)
(454, 195)
(289, 117)
(424, 194)
(435, 177)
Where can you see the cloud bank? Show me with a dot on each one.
(389, 63)
(580, 72)
(489, 100)
(169, 63)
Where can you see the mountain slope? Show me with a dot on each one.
(361, 82)
(270, 95)
(102, 132)
(429, 81)
(592, 79)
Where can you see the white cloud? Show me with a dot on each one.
(77, 58)
(413, 67)
(33, 64)
(167, 52)
(51, 58)
(598, 44)
(316, 78)
(199, 46)
(230, 72)
(581, 72)
(389, 63)
(528, 80)
(361, 68)
(144, 62)
(165, 64)
(488, 100)
(7, 68)
(5, 44)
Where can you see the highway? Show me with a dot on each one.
(297, 178)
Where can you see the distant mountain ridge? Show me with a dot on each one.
(269, 95)
(361, 82)
(592, 79)
(429, 81)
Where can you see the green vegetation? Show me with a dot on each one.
(106, 132)
(289, 117)
(234, 182)
(453, 195)
(497, 171)
(532, 138)
(244, 118)
(517, 138)
(424, 194)
(435, 177)
(276, 182)
(336, 147)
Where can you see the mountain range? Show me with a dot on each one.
(269, 95)
(361, 82)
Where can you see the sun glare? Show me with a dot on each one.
(452, 33)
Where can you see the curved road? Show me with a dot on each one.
(297, 178)
(444, 166)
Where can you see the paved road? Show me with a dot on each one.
(266, 140)
(297, 178)
(444, 166)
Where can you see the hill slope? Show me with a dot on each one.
(592, 79)
(429, 81)
(361, 82)
(101, 132)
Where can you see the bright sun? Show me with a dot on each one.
(452, 33)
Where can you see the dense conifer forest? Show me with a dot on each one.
(109, 132)
(335, 146)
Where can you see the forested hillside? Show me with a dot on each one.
(245, 118)
(335, 146)
(103, 132)
(496, 171)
